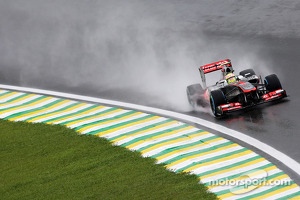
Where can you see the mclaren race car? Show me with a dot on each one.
(233, 92)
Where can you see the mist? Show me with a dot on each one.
(148, 50)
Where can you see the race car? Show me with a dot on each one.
(232, 93)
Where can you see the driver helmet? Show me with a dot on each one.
(226, 69)
(230, 78)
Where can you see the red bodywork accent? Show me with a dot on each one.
(211, 67)
(273, 95)
(241, 83)
(231, 106)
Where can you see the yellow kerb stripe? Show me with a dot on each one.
(295, 198)
(109, 121)
(201, 154)
(189, 148)
(78, 115)
(30, 105)
(21, 99)
(101, 134)
(267, 169)
(7, 95)
(133, 145)
(233, 168)
(56, 112)
(172, 141)
(234, 156)
(144, 131)
(158, 136)
(278, 190)
(34, 113)
(243, 189)
(92, 117)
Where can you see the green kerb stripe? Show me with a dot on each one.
(266, 191)
(229, 190)
(15, 98)
(24, 104)
(212, 159)
(28, 111)
(71, 114)
(33, 110)
(142, 129)
(199, 152)
(185, 146)
(296, 194)
(239, 174)
(119, 124)
(184, 136)
(230, 166)
(89, 116)
(56, 111)
(106, 119)
(145, 137)
(6, 92)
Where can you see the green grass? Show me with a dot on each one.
(40, 161)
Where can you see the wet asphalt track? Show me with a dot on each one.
(27, 58)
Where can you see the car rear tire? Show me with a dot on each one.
(193, 90)
(217, 98)
(272, 83)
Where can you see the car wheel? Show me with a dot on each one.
(217, 98)
(272, 83)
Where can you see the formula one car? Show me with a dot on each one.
(231, 92)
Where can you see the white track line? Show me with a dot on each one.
(11, 97)
(96, 119)
(283, 194)
(3, 91)
(25, 100)
(105, 125)
(182, 152)
(283, 158)
(6, 114)
(135, 127)
(175, 144)
(86, 114)
(148, 132)
(154, 140)
(235, 171)
(197, 158)
(215, 166)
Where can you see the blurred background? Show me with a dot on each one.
(139, 51)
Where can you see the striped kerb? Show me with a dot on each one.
(179, 146)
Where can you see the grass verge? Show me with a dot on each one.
(40, 161)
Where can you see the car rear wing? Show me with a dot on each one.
(215, 66)
(211, 67)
